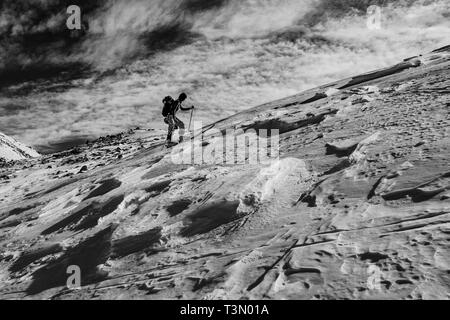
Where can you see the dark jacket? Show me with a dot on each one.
(176, 105)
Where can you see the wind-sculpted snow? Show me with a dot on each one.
(354, 206)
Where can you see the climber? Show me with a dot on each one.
(169, 112)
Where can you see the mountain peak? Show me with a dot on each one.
(11, 149)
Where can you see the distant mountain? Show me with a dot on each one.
(10, 149)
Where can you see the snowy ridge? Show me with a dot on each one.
(10, 149)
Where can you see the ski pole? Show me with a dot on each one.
(190, 120)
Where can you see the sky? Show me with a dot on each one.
(227, 55)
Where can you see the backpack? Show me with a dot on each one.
(167, 108)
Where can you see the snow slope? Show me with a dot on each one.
(356, 205)
(10, 149)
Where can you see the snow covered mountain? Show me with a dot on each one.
(10, 149)
(354, 206)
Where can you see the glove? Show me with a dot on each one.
(192, 107)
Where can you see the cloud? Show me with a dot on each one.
(119, 31)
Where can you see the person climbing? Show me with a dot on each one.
(170, 109)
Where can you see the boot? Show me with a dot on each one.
(169, 140)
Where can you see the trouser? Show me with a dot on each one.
(174, 123)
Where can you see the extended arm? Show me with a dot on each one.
(185, 109)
